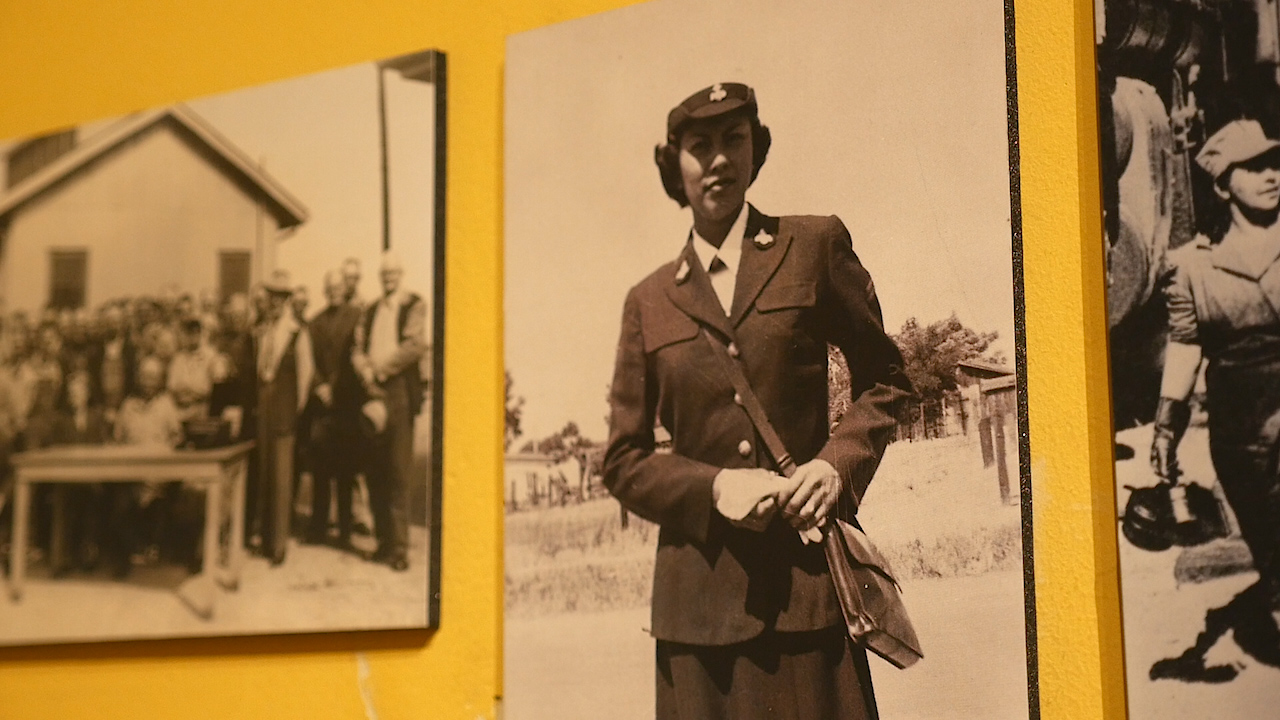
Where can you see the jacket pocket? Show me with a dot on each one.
(782, 297)
(663, 329)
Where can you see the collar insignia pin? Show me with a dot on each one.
(682, 272)
(718, 93)
(764, 240)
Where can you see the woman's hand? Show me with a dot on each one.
(817, 489)
(749, 497)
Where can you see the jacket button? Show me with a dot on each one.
(733, 350)
(737, 398)
(744, 448)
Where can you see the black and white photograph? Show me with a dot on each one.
(220, 326)
(1189, 102)
(766, 448)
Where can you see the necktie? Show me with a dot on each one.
(721, 282)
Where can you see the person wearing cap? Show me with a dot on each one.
(1223, 298)
(391, 340)
(744, 612)
(286, 367)
(194, 370)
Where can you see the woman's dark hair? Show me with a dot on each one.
(667, 157)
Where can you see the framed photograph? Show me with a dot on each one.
(763, 302)
(1189, 102)
(220, 363)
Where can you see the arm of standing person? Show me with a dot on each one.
(306, 366)
(878, 385)
(413, 342)
(668, 488)
(359, 358)
(1182, 358)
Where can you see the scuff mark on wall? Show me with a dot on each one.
(364, 681)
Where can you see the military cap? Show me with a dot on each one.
(709, 102)
(1236, 142)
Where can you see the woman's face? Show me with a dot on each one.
(716, 163)
(1256, 184)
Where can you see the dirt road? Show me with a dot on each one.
(587, 666)
(1162, 618)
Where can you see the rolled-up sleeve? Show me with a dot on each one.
(1180, 301)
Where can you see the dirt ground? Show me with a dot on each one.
(929, 498)
(1162, 618)
(602, 663)
(317, 588)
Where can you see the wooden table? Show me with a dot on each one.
(213, 470)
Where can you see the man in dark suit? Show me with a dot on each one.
(735, 587)
(390, 343)
(336, 403)
(285, 364)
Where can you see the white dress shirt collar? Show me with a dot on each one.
(730, 251)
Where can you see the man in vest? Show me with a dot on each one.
(285, 369)
(390, 342)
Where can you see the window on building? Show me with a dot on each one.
(68, 276)
(234, 269)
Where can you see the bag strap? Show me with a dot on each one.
(746, 397)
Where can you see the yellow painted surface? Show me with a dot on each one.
(61, 63)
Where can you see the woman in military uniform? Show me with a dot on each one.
(1224, 306)
(745, 615)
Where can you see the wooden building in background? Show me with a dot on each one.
(156, 201)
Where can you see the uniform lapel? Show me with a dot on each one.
(765, 245)
(691, 291)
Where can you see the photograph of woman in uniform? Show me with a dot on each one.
(804, 319)
(744, 612)
(1189, 100)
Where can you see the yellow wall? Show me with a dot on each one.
(61, 63)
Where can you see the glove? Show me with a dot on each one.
(1172, 418)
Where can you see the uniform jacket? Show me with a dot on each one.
(799, 287)
(1219, 294)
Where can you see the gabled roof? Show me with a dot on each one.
(985, 366)
(284, 207)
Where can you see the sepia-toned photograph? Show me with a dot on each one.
(1189, 102)
(766, 449)
(220, 326)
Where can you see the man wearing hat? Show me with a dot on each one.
(286, 366)
(745, 613)
(1223, 298)
(391, 341)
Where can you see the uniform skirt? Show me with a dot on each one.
(818, 675)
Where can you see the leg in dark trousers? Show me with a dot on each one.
(334, 467)
(390, 467)
(275, 494)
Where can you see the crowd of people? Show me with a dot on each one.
(334, 395)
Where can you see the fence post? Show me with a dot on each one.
(1002, 467)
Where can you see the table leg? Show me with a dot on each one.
(199, 592)
(18, 544)
(58, 540)
(237, 472)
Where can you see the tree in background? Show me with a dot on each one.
(931, 354)
(514, 409)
